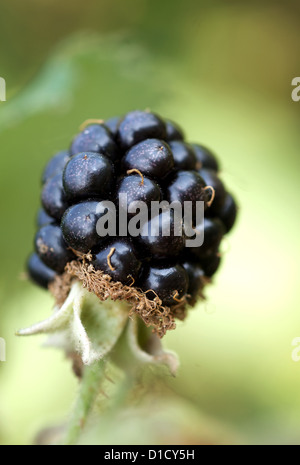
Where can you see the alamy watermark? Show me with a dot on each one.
(2, 350)
(296, 350)
(2, 90)
(167, 219)
(296, 90)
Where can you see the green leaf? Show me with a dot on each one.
(84, 325)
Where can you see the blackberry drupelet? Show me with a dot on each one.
(96, 138)
(54, 199)
(43, 218)
(211, 264)
(117, 259)
(196, 279)
(79, 226)
(55, 165)
(152, 157)
(206, 159)
(228, 212)
(138, 188)
(186, 186)
(87, 174)
(38, 272)
(137, 126)
(211, 179)
(112, 124)
(147, 158)
(184, 155)
(170, 283)
(162, 236)
(214, 231)
(174, 131)
(51, 248)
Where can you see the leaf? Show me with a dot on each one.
(155, 353)
(83, 324)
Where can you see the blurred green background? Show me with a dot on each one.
(223, 70)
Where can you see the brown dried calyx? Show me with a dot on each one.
(152, 312)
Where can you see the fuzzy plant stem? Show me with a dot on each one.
(89, 389)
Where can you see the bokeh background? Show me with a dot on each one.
(223, 70)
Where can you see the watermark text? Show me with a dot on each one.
(176, 219)
(296, 90)
(2, 350)
(2, 90)
(296, 350)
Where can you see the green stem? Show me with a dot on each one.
(89, 390)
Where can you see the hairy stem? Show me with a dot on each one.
(89, 389)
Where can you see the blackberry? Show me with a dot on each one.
(211, 179)
(79, 226)
(169, 283)
(112, 124)
(140, 125)
(86, 175)
(228, 212)
(213, 233)
(152, 157)
(51, 248)
(38, 272)
(95, 138)
(148, 159)
(43, 218)
(54, 199)
(186, 186)
(174, 132)
(117, 259)
(55, 165)
(138, 188)
(211, 264)
(184, 155)
(196, 279)
(162, 236)
(206, 159)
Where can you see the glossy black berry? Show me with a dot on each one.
(228, 212)
(184, 155)
(140, 125)
(117, 259)
(38, 272)
(43, 218)
(196, 279)
(88, 175)
(79, 226)
(162, 236)
(54, 199)
(141, 163)
(52, 249)
(95, 138)
(174, 132)
(55, 165)
(152, 157)
(211, 179)
(211, 264)
(205, 158)
(169, 283)
(213, 233)
(187, 186)
(112, 124)
(137, 189)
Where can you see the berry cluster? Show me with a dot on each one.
(147, 158)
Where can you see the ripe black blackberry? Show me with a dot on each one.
(39, 272)
(148, 159)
